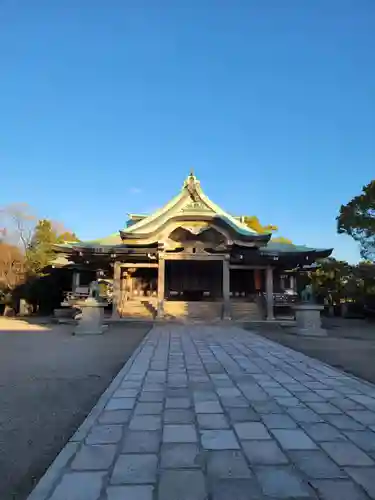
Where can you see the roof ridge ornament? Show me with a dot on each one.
(192, 184)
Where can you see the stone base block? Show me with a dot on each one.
(318, 332)
(88, 331)
(308, 320)
(63, 312)
(91, 320)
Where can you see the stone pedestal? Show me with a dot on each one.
(160, 310)
(344, 310)
(24, 308)
(227, 314)
(308, 320)
(91, 320)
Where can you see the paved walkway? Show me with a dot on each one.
(220, 413)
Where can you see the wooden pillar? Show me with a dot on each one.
(226, 290)
(293, 283)
(116, 301)
(257, 280)
(76, 280)
(127, 289)
(129, 286)
(269, 293)
(161, 287)
(282, 283)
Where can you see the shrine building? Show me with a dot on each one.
(189, 259)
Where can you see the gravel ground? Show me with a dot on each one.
(49, 381)
(349, 345)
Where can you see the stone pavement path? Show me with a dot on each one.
(220, 413)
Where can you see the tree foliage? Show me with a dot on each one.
(12, 266)
(329, 278)
(67, 236)
(33, 238)
(336, 280)
(357, 219)
(281, 239)
(40, 251)
(37, 282)
(365, 274)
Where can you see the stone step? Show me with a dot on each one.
(245, 311)
(193, 310)
(240, 310)
(138, 308)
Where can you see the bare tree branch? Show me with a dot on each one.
(18, 221)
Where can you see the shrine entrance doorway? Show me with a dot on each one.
(194, 280)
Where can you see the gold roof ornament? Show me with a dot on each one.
(191, 185)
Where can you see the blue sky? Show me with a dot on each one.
(106, 105)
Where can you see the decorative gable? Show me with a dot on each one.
(196, 206)
(191, 204)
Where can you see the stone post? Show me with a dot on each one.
(269, 293)
(226, 290)
(76, 280)
(161, 286)
(293, 283)
(116, 290)
(24, 308)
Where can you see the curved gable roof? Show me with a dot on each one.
(190, 201)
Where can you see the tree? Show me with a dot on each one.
(357, 219)
(12, 266)
(281, 239)
(26, 251)
(336, 280)
(35, 239)
(365, 274)
(43, 287)
(40, 251)
(18, 221)
(67, 236)
(329, 278)
(63, 234)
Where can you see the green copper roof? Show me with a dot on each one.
(112, 240)
(289, 248)
(191, 204)
(239, 227)
(190, 200)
